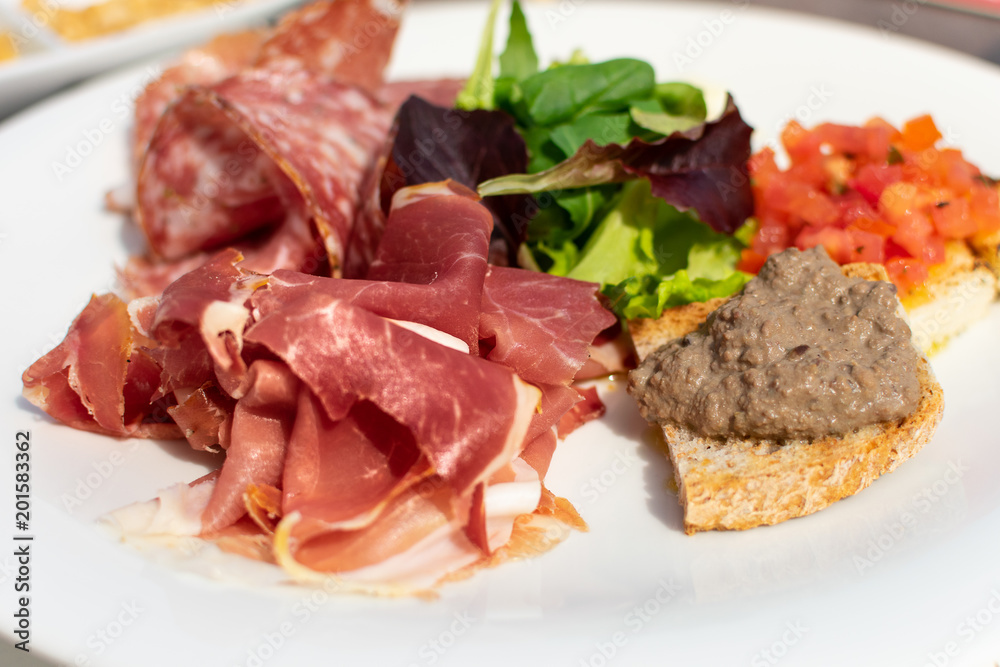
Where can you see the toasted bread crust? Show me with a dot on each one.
(738, 483)
(958, 293)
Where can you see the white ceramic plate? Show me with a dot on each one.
(906, 572)
(49, 62)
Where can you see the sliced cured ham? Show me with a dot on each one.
(393, 368)
(97, 380)
(339, 475)
(519, 317)
(392, 429)
(438, 284)
(199, 325)
(261, 428)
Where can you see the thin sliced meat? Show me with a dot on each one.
(556, 401)
(434, 391)
(261, 428)
(542, 343)
(611, 352)
(292, 245)
(429, 269)
(199, 325)
(218, 161)
(409, 518)
(589, 408)
(279, 125)
(349, 39)
(341, 475)
(538, 453)
(87, 381)
(205, 416)
(416, 542)
(145, 277)
(203, 182)
(222, 57)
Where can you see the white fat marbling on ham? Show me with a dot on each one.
(435, 335)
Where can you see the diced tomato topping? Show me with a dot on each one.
(906, 272)
(865, 246)
(751, 261)
(953, 219)
(919, 134)
(871, 179)
(836, 242)
(871, 193)
(984, 205)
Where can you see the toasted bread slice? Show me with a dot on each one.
(958, 293)
(738, 483)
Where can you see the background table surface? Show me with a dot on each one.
(974, 34)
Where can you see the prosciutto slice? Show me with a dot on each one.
(437, 284)
(260, 432)
(97, 379)
(517, 315)
(393, 430)
(392, 367)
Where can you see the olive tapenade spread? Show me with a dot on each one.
(802, 352)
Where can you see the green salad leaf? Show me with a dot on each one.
(519, 60)
(479, 88)
(625, 172)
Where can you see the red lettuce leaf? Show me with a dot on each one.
(433, 143)
(703, 168)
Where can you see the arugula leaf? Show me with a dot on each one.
(602, 128)
(562, 93)
(662, 122)
(519, 60)
(681, 99)
(478, 90)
